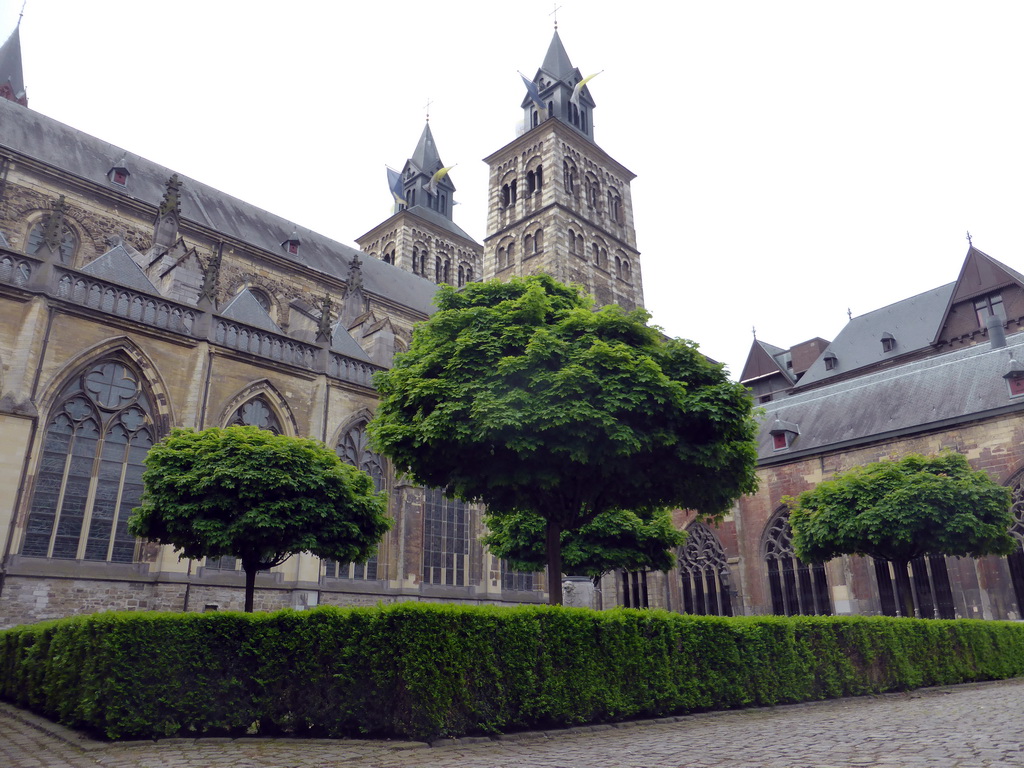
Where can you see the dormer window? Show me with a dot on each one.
(291, 245)
(783, 434)
(119, 176)
(888, 342)
(831, 362)
(1015, 378)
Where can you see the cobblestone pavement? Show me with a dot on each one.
(968, 726)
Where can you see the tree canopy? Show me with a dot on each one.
(898, 510)
(626, 540)
(261, 497)
(521, 396)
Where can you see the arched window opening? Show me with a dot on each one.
(469, 274)
(506, 196)
(634, 589)
(539, 175)
(389, 257)
(535, 118)
(531, 182)
(1016, 560)
(447, 275)
(572, 242)
(410, 197)
(796, 587)
(416, 261)
(256, 413)
(583, 119)
(929, 585)
(707, 582)
(438, 270)
(68, 241)
(354, 448)
(462, 276)
(446, 537)
(528, 248)
(595, 249)
(512, 190)
(626, 271)
(444, 203)
(90, 477)
(618, 267)
(261, 298)
(538, 241)
(604, 258)
(581, 246)
(502, 258)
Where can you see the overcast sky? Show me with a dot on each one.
(793, 159)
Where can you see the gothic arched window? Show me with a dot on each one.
(1016, 560)
(929, 584)
(256, 413)
(707, 582)
(68, 241)
(354, 448)
(796, 588)
(446, 537)
(90, 477)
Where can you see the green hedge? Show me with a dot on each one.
(420, 671)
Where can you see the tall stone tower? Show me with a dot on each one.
(421, 236)
(558, 203)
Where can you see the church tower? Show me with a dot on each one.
(558, 203)
(421, 236)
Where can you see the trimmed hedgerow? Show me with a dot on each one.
(424, 671)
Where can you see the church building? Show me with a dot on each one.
(134, 300)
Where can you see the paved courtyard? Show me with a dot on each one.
(963, 727)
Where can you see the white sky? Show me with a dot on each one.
(794, 159)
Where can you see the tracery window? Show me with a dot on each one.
(256, 413)
(1016, 560)
(929, 584)
(354, 448)
(446, 524)
(796, 587)
(707, 582)
(634, 589)
(68, 241)
(90, 477)
(516, 580)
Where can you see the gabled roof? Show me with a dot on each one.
(912, 322)
(930, 392)
(10, 67)
(244, 308)
(51, 142)
(556, 61)
(117, 266)
(762, 360)
(343, 343)
(979, 276)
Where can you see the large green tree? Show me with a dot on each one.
(616, 540)
(257, 496)
(522, 396)
(898, 510)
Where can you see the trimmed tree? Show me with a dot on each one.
(248, 493)
(616, 540)
(521, 396)
(899, 510)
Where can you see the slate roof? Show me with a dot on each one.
(51, 142)
(117, 266)
(3, 241)
(244, 308)
(556, 61)
(931, 392)
(426, 157)
(912, 322)
(343, 343)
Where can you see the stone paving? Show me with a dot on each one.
(968, 726)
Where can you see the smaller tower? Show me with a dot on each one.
(12, 82)
(421, 236)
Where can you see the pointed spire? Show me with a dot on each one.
(323, 328)
(168, 215)
(556, 62)
(425, 155)
(12, 82)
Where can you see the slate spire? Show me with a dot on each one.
(12, 81)
(417, 176)
(554, 82)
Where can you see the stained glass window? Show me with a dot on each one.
(354, 449)
(90, 475)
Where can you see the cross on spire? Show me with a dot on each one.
(555, 14)
(969, 242)
(427, 107)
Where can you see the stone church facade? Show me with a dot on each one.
(134, 300)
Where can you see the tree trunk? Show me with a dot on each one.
(554, 550)
(250, 584)
(904, 589)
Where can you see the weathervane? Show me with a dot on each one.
(555, 14)
(849, 314)
(969, 242)
(753, 330)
